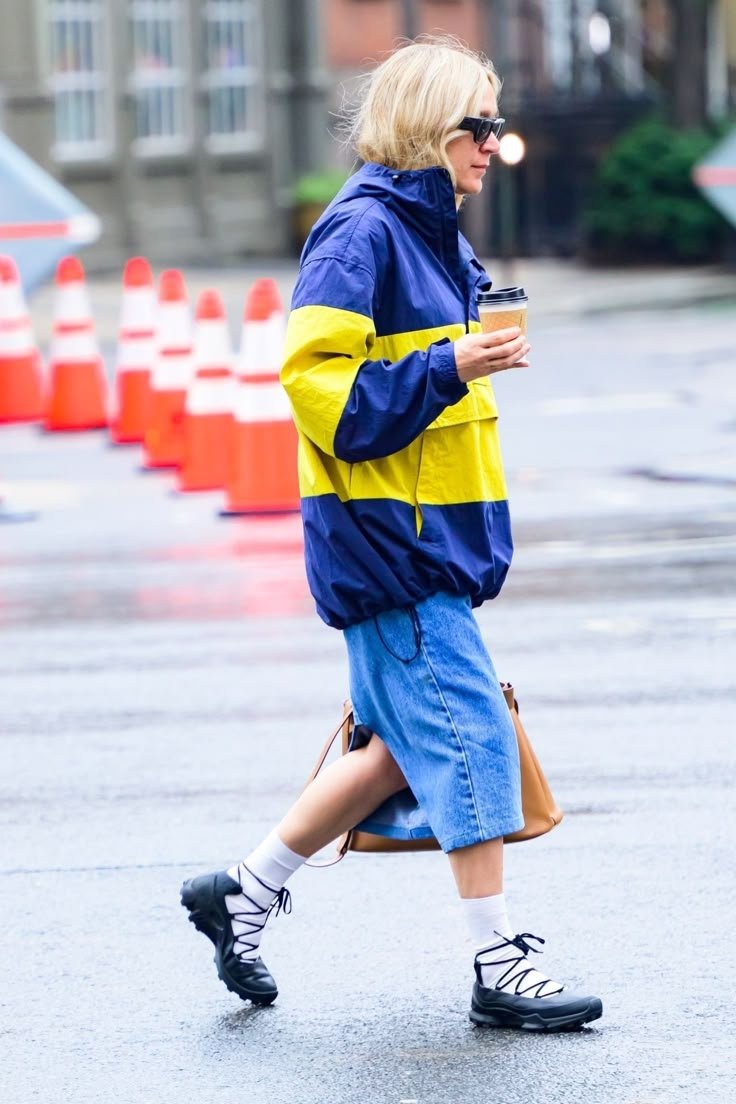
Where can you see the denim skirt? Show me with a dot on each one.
(422, 679)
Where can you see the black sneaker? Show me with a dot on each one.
(523, 997)
(204, 897)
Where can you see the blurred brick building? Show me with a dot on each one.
(575, 72)
(185, 123)
(182, 123)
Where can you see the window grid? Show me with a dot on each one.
(159, 76)
(231, 75)
(77, 64)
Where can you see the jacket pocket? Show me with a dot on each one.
(460, 458)
(479, 403)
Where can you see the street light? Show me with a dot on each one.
(512, 149)
(599, 33)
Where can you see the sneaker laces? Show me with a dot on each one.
(523, 980)
(254, 920)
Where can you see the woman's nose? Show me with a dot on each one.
(491, 145)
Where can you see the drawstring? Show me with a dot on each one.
(417, 636)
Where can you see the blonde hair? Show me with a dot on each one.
(415, 99)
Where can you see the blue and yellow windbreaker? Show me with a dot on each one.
(400, 473)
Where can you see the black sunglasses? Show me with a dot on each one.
(482, 128)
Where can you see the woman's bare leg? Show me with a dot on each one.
(340, 797)
(478, 869)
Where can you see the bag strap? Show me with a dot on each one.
(347, 714)
(508, 693)
(343, 843)
(343, 846)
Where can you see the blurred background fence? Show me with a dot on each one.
(202, 129)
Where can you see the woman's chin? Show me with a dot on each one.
(470, 187)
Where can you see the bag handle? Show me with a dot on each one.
(343, 843)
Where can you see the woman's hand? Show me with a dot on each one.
(482, 354)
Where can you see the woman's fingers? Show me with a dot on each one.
(513, 360)
(508, 353)
(499, 337)
(481, 354)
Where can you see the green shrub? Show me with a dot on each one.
(644, 205)
(319, 188)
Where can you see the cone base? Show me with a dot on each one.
(21, 396)
(262, 511)
(264, 477)
(133, 390)
(207, 442)
(83, 427)
(77, 396)
(163, 440)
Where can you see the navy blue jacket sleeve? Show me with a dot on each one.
(367, 407)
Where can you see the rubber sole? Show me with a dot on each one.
(207, 921)
(535, 1021)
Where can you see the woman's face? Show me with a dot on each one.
(469, 160)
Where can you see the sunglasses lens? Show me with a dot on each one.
(481, 130)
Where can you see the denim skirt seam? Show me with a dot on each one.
(456, 734)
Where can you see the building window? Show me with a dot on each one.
(159, 75)
(568, 23)
(78, 57)
(231, 73)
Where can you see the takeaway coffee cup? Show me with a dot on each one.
(499, 310)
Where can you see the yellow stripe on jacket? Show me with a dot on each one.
(457, 459)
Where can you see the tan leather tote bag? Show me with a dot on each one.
(541, 812)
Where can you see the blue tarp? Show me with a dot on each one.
(40, 221)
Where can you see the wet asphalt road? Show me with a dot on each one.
(165, 687)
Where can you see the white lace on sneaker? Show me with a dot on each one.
(504, 966)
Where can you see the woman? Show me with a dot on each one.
(406, 529)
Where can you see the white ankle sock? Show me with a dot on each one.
(485, 916)
(261, 875)
(272, 861)
(502, 965)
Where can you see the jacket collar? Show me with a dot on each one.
(423, 199)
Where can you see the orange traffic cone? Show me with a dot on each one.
(163, 440)
(136, 351)
(77, 386)
(21, 398)
(262, 476)
(209, 405)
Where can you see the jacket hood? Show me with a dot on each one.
(423, 199)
